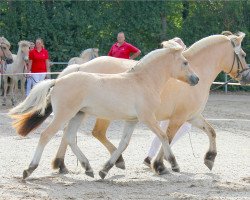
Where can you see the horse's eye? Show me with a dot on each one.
(4, 48)
(185, 63)
(243, 55)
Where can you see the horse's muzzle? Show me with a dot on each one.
(245, 77)
(193, 80)
(9, 61)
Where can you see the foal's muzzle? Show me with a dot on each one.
(193, 80)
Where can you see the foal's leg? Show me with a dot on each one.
(99, 132)
(158, 165)
(203, 125)
(70, 135)
(127, 133)
(45, 137)
(73, 125)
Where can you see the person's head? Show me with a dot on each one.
(32, 45)
(39, 43)
(120, 37)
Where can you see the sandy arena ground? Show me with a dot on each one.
(230, 178)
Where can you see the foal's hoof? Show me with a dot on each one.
(209, 164)
(160, 168)
(26, 174)
(102, 174)
(90, 173)
(120, 165)
(176, 169)
(63, 170)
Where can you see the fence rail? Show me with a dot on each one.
(65, 63)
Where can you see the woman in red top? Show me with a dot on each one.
(39, 63)
(122, 49)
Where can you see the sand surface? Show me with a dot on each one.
(230, 178)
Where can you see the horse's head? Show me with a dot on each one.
(5, 53)
(237, 68)
(90, 53)
(24, 47)
(181, 70)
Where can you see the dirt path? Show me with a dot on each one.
(229, 179)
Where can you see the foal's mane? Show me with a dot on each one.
(205, 43)
(155, 55)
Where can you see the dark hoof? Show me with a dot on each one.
(102, 174)
(63, 170)
(3, 104)
(120, 165)
(147, 162)
(160, 168)
(26, 174)
(209, 159)
(90, 173)
(176, 169)
(209, 164)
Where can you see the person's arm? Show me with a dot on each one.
(135, 55)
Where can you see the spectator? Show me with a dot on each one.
(122, 49)
(38, 64)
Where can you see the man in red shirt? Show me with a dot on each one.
(122, 49)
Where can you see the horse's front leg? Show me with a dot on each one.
(127, 133)
(99, 132)
(70, 135)
(203, 125)
(13, 89)
(5, 89)
(158, 165)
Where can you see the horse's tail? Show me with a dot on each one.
(34, 109)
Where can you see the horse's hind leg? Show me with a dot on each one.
(45, 137)
(5, 88)
(70, 135)
(99, 132)
(127, 133)
(203, 125)
(58, 162)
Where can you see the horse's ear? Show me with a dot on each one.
(238, 39)
(226, 33)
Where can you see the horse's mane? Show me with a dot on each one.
(155, 54)
(205, 43)
(24, 43)
(5, 41)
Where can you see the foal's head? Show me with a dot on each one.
(5, 53)
(181, 70)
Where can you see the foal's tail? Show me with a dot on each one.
(34, 109)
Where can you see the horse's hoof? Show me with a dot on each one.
(147, 162)
(63, 170)
(120, 165)
(90, 173)
(26, 174)
(3, 104)
(176, 169)
(160, 168)
(209, 164)
(102, 174)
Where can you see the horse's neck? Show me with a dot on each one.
(207, 63)
(153, 75)
(18, 64)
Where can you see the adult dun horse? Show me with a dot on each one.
(18, 66)
(100, 95)
(5, 55)
(85, 56)
(180, 102)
